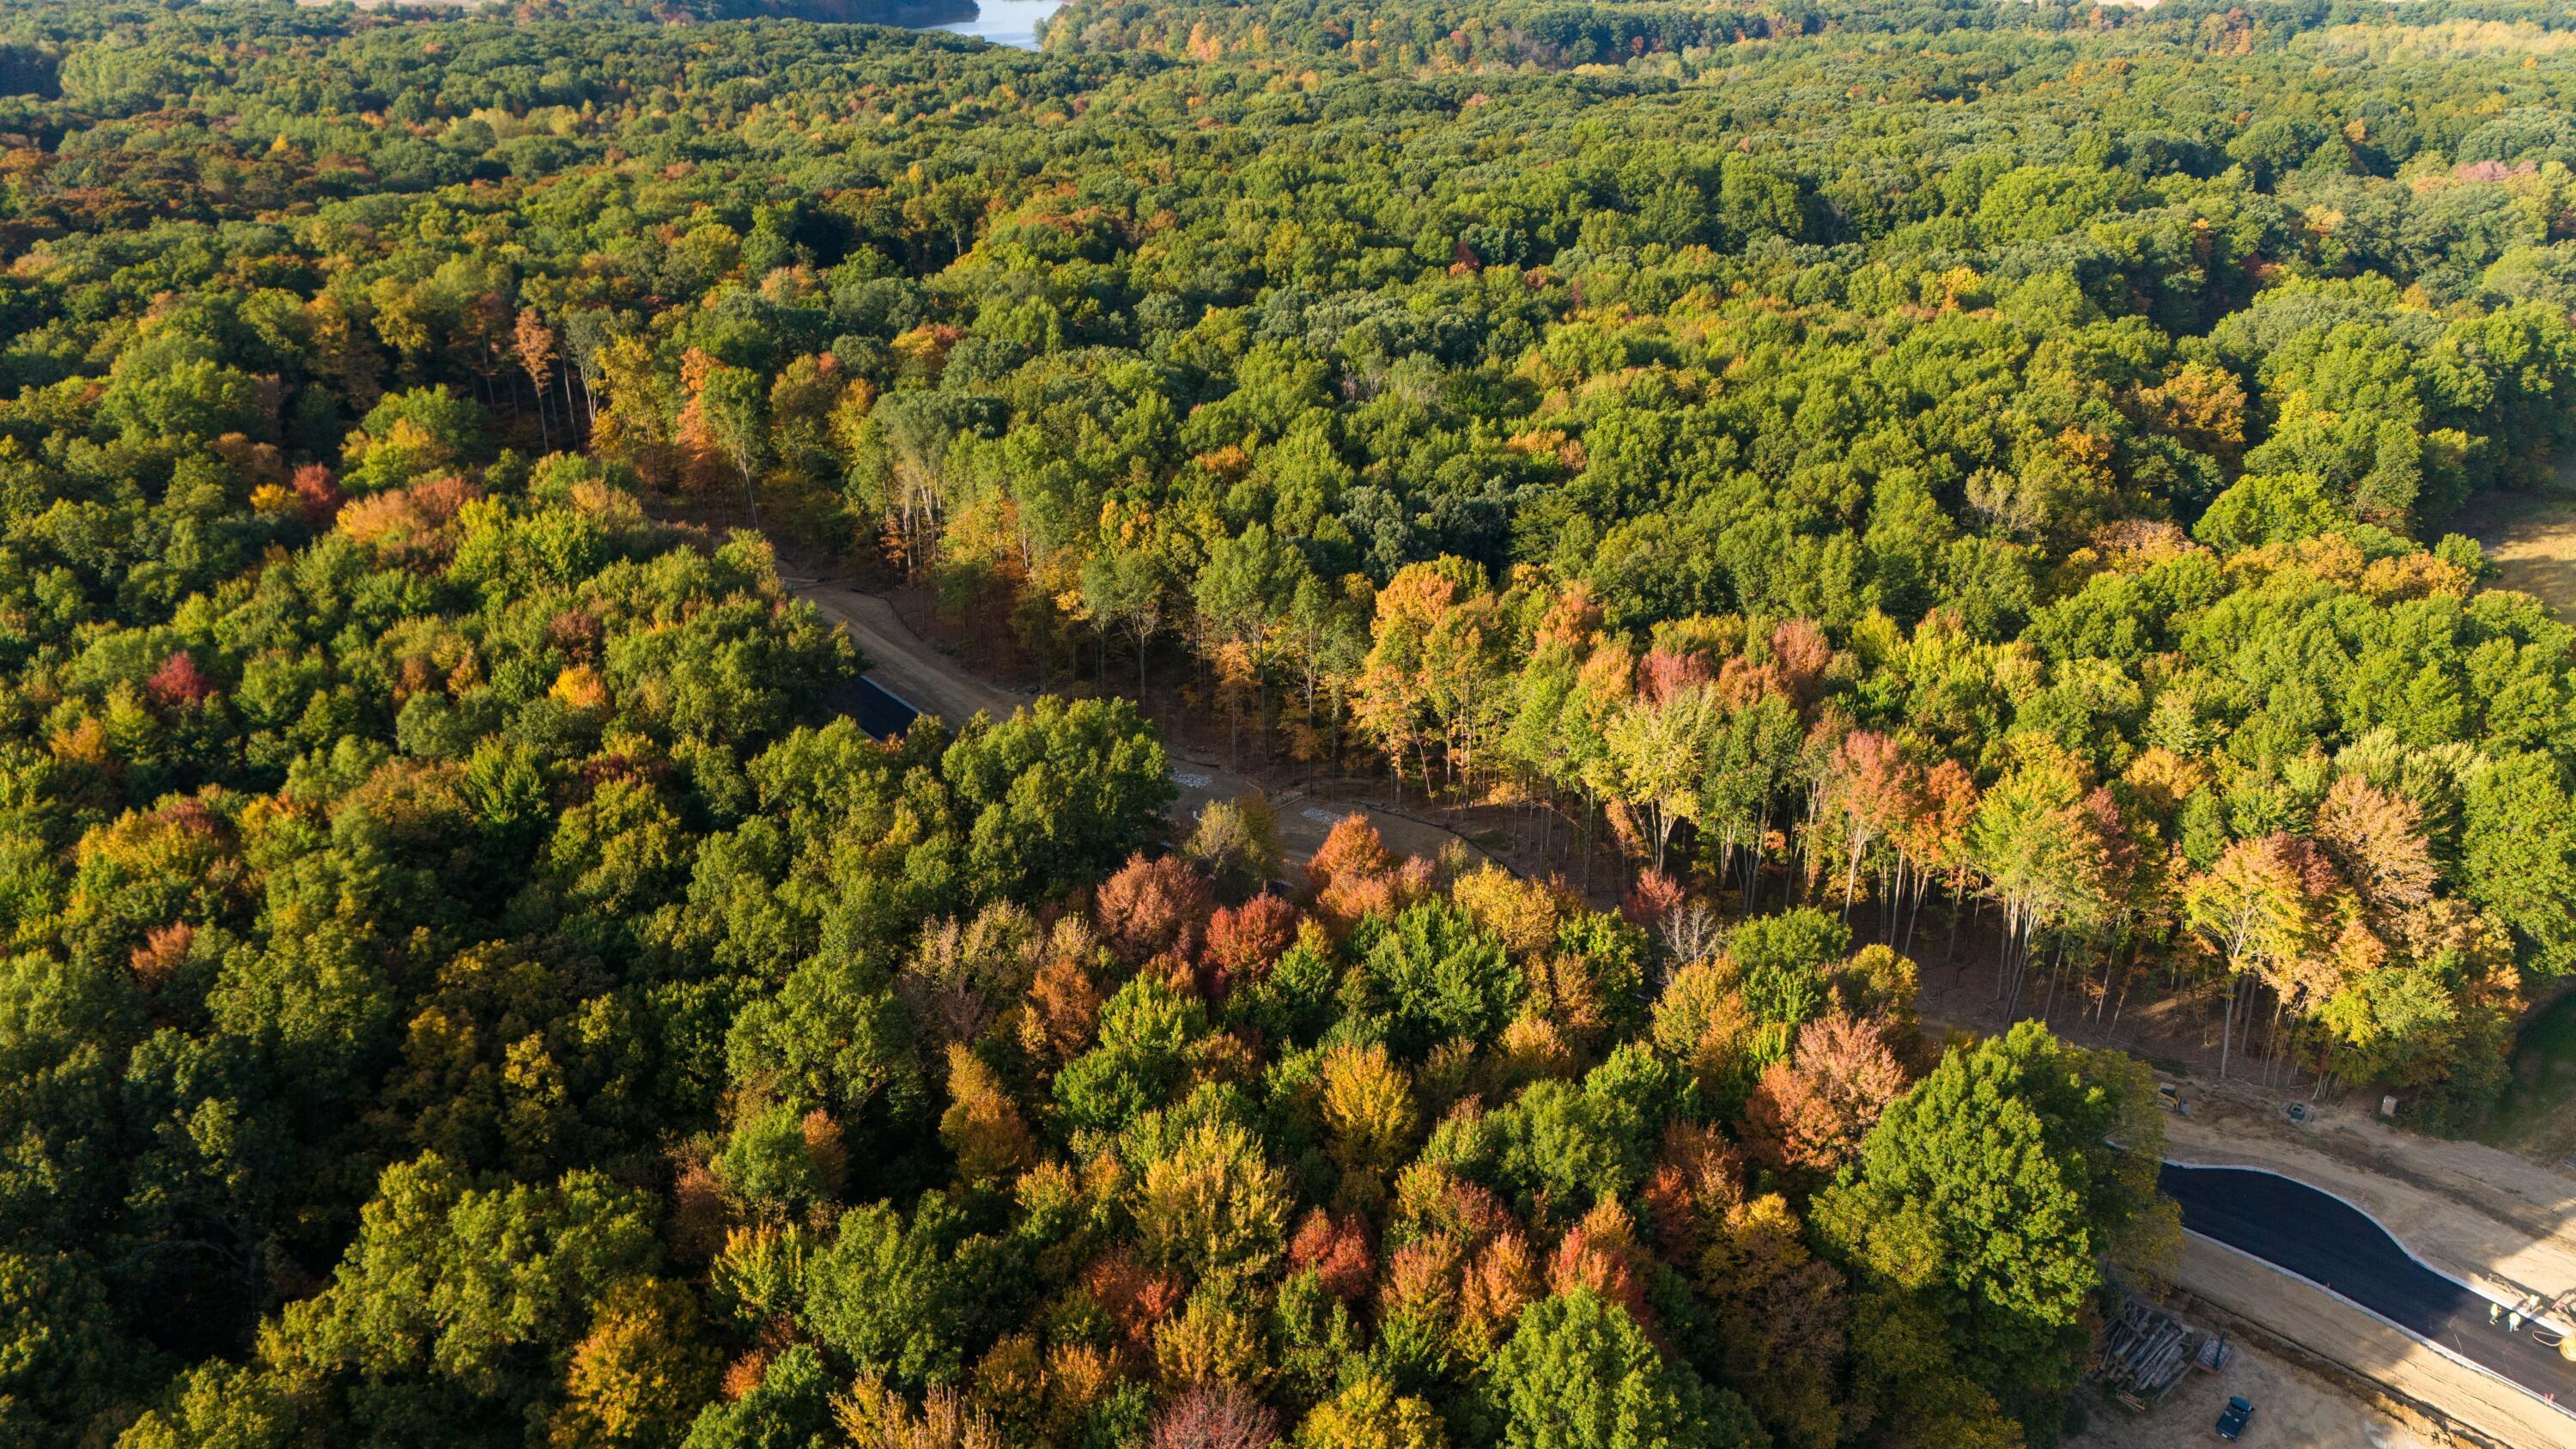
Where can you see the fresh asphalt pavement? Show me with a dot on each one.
(2326, 1240)
(879, 710)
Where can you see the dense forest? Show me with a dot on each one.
(1870, 471)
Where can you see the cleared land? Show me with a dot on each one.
(2538, 1115)
(2532, 542)
(2295, 1407)
(2492, 1219)
(928, 678)
(2485, 1410)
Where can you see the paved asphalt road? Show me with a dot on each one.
(2326, 1240)
(879, 710)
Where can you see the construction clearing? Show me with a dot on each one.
(2147, 1352)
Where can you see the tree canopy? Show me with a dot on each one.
(464, 981)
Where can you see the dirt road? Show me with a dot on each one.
(901, 660)
(2484, 1215)
(2295, 1407)
(2493, 1411)
(919, 673)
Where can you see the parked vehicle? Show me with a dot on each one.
(2239, 1413)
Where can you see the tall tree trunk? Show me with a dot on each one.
(2272, 1042)
(2227, 1026)
(1588, 842)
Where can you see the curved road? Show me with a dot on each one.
(2306, 1233)
(2320, 1237)
(908, 675)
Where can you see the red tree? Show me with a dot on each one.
(1337, 1248)
(1136, 1298)
(317, 496)
(1812, 1110)
(1243, 941)
(1153, 906)
(179, 683)
(1663, 674)
(1696, 1181)
(1216, 1416)
(1602, 1253)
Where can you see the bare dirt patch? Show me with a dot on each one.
(2410, 1388)
(2531, 539)
(2294, 1408)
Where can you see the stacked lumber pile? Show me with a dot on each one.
(2145, 1352)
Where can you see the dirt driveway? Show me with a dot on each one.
(2481, 1214)
(906, 665)
(922, 675)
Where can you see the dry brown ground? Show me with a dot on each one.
(2294, 1408)
(2532, 542)
(2434, 1397)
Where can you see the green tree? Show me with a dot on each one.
(1440, 975)
(735, 400)
(1057, 794)
(1993, 1193)
(828, 1039)
(789, 1408)
(2520, 854)
(887, 1296)
(460, 1304)
(61, 1361)
(1579, 1374)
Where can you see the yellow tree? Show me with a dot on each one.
(637, 427)
(2254, 909)
(2050, 851)
(1657, 756)
(1431, 668)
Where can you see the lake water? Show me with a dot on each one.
(1007, 22)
